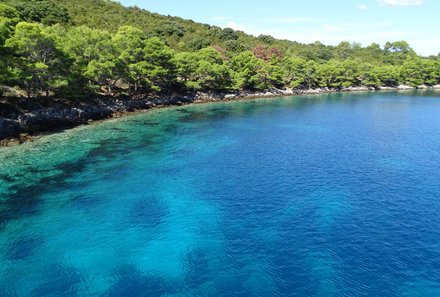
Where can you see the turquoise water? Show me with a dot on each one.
(330, 195)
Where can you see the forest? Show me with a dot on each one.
(62, 48)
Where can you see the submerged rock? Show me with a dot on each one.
(9, 142)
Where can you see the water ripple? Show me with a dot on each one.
(333, 195)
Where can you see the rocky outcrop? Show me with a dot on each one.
(20, 117)
(405, 87)
(31, 116)
(9, 128)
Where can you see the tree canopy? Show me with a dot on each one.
(60, 47)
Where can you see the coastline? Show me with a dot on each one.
(22, 119)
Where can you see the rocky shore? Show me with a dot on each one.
(22, 118)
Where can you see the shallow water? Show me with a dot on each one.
(329, 195)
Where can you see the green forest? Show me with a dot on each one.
(62, 48)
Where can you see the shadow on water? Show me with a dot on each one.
(23, 202)
(26, 199)
(68, 280)
(130, 282)
(85, 201)
(147, 212)
(23, 248)
(221, 110)
(27, 187)
(277, 218)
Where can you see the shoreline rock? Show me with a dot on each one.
(22, 118)
(405, 87)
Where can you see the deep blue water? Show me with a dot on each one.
(329, 195)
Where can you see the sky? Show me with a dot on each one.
(307, 21)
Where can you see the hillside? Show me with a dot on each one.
(63, 63)
(66, 48)
(187, 35)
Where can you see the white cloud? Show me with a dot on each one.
(363, 6)
(291, 20)
(401, 2)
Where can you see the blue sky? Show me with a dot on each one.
(364, 21)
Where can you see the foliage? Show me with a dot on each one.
(38, 61)
(204, 70)
(59, 47)
(88, 49)
(47, 12)
(416, 72)
(247, 71)
(9, 12)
